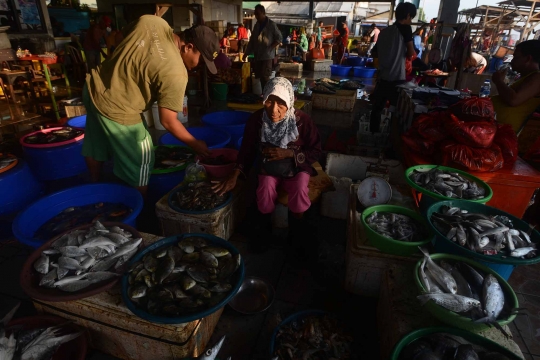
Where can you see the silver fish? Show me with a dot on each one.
(522, 251)
(69, 280)
(72, 251)
(423, 277)
(492, 297)
(443, 278)
(97, 241)
(69, 263)
(49, 279)
(97, 276)
(118, 239)
(42, 264)
(453, 302)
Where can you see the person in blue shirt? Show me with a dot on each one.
(417, 42)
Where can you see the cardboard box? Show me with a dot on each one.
(342, 100)
(321, 65)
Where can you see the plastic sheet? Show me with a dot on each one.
(507, 140)
(431, 125)
(473, 109)
(470, 158)
(473, 134)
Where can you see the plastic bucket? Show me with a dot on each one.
(161, 184)
(18, 188)
(55, 163)
(502, 264)
(340, 70)
(239, 143)
(233, 122)
(30, 219)
(356, 61)
(215, 138)
(364, 72)
(78, 122)
(218, 91)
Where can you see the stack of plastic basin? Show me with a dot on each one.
(233, 122)
(356, 61)
(78, 122)
(364, 72)
(340, 70)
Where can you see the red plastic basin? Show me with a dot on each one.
(220, 171)
(56, 144)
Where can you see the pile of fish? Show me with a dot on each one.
(351, 85)
(447, 183)
(31, 344)
(442, 346)
(81, 215)
(488, 235)
(397, 226)
(187, 277)
(6, 160)
(171, 157)
(198, 196)
(461, 288)
(315, 338)
(216, 160)
(83, 257)
(55, 136)
(322, 88)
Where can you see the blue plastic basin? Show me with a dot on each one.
(364, 72)
(78, 122)
(56, 162)
(233, 122)
(356, 61)
(30, 219)
(236, 282)
(160, 184)
(239, 143)
(18, 188)
(215, 138)
(340, 70)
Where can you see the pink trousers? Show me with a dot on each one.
(296, 187)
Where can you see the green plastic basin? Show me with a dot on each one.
(428, 197)
(455, 319)
(472, 338)
(391, 246)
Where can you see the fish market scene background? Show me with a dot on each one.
(269, 180)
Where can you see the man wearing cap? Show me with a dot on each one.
(92, 42)
(149, 65)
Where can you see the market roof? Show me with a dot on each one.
(333, 9)
(293, 9)
(250, 5)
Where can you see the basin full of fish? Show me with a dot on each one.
(315, 337)
(397, 226)
(6, 160)
(183, 277)
(86, 256)
(443, 346)
(197, 196)
(487, 235)
(76, 216)
(448, 183)
(459, 287)
(170, 157)
(54, 136)
(32, 344)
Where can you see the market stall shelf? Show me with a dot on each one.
(116, 331)
(220, 222)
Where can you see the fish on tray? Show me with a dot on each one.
(55, 136)
(199, 196)
(190, 276)
(84, 257)
(463, 289)
(396, 226)
(31, 344)
(171, 157)
(440, 346)
(6, 160)
(322, 89)
(351, 85)
(81, 215)
(488, 235)
(313, 337)
(447, 183)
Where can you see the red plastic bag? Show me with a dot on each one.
(473, 109)
(431, 125)
(469, 158)
(507, 140)
(474, 134)
(533, 154)
(413, 141)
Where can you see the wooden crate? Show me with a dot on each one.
(399, 313)
(220, 223)
(342, 100)
(365, 264)
(114, 330)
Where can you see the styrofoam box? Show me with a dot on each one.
(345, 170)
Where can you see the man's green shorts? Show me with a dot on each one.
(130, 146)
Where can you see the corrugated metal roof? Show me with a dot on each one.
(327, 14)
(334, 7)
(290, 8)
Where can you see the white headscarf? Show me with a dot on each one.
(283, 132)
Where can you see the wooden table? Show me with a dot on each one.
(114, 330)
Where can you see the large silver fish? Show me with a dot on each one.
(453, 302)
(443, 277)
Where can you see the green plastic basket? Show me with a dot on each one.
(470, 337)
(428, 197)
(179, 168)
(391, 246)
(455, 319)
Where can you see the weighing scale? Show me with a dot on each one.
(374, 190)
